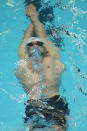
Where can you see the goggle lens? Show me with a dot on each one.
(38, 43)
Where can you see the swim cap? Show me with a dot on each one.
(33, 39)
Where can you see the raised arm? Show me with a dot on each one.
(22, 49)
(40, 32)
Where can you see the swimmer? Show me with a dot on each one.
(39, 72)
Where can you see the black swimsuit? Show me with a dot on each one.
(46, 112)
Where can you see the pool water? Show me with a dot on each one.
(70, 18)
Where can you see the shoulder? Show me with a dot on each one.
(22, 68)
(21, 65)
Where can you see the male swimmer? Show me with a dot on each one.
(39, 72)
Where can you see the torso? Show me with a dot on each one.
(43, 83)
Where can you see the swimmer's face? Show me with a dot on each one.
(37, 44)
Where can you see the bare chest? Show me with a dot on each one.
(49, 74)
(51, 70)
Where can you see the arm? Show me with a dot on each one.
(40, 32)
(38, 26)
(22, 49)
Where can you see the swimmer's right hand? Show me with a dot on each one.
(31, 10)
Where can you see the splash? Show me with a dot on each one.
(4, 33)
(10, 3)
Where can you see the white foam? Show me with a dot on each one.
(10, 3)
(4, 33)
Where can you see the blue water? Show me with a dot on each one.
(13, 23)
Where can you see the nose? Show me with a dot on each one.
(35, 47)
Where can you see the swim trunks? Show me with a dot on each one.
(45, 112)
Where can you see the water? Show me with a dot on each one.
(71, 17)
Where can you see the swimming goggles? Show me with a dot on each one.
(38, 43)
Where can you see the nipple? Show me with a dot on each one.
(48, 66)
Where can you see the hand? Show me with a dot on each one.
(31, 10)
